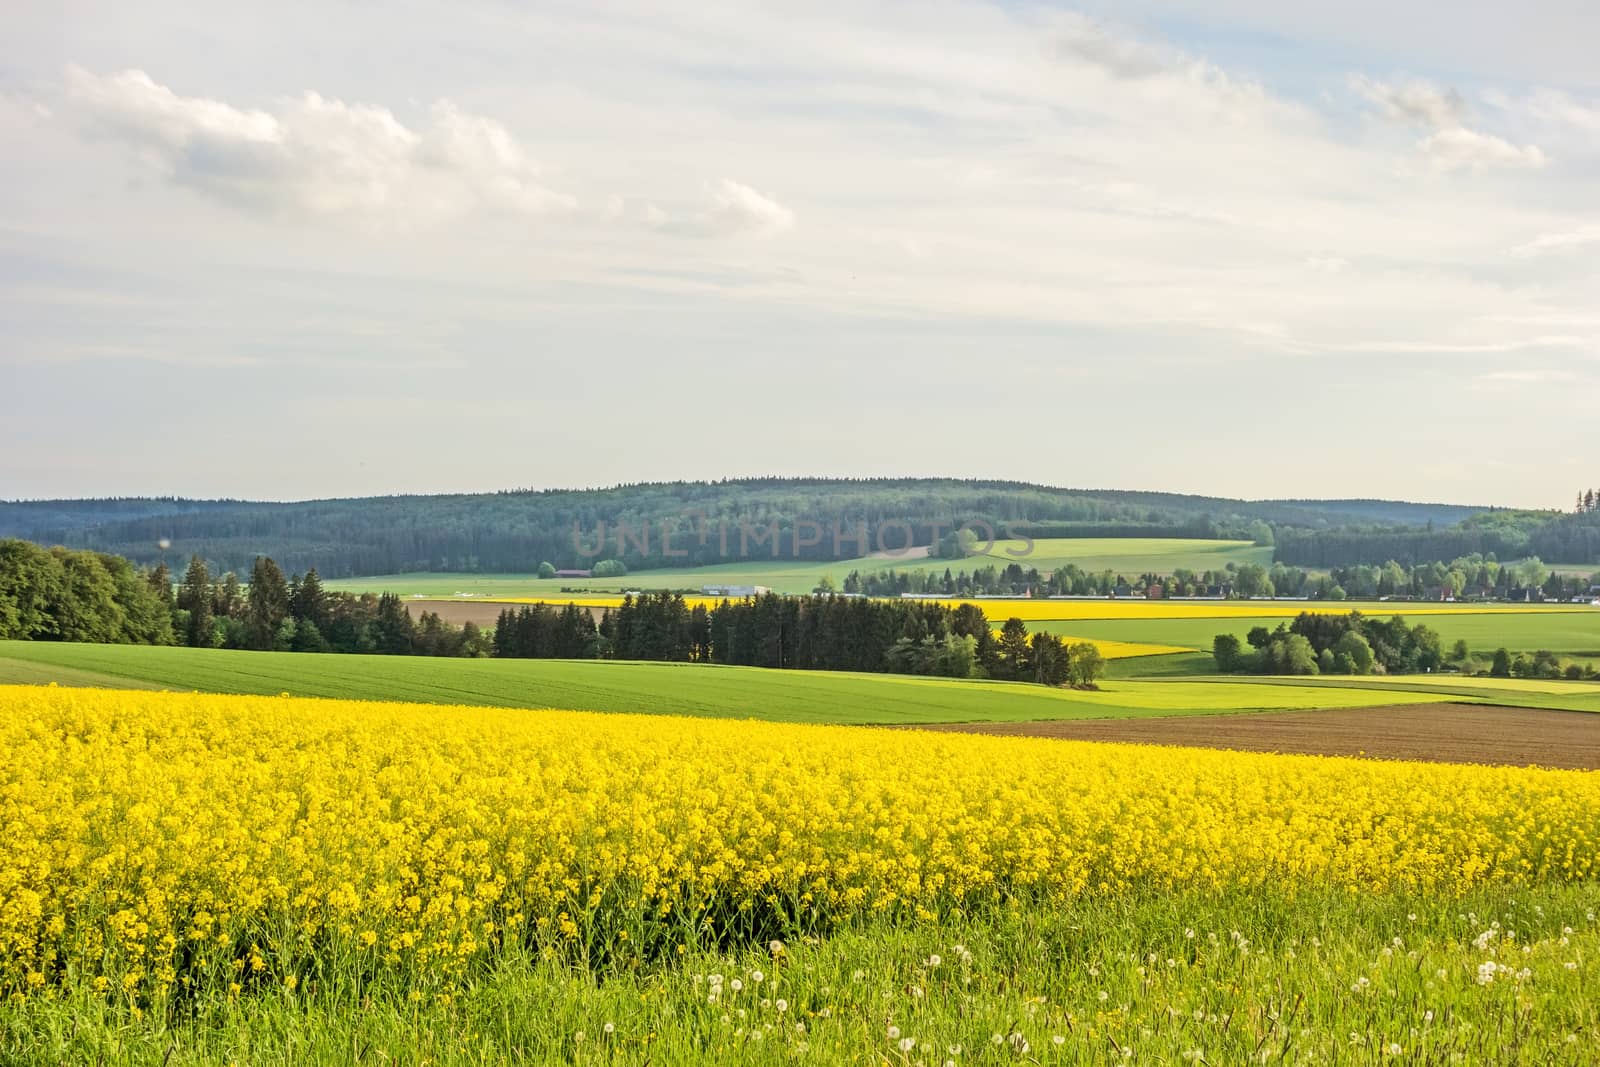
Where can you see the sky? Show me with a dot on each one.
(1252, 249)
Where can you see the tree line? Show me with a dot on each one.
(58, 594)
(1332, 644)
(62, 594)
(1467, 577)
(274, 613)
(1013, 579)
(1359, 644)
(1472, 577)
(801, 633)
(1541, 664)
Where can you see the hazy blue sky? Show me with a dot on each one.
(309, 249)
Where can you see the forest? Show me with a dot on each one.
(802, 633)
(512, 532)
(1567, 538)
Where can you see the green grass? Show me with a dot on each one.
(1173, 665)
(44, 672)
(1248, 976)
(662, 688)
(1575, 634)
(1130, 556)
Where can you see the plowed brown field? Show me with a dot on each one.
(1448, 733)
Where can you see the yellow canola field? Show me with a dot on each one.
(155, 839)
(1119, 649)
(1126, 649)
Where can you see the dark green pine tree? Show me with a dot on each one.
(310, 602)
(195, 598)
(267, 603)
(1501, 667)
(1014, 649)
(227, 599)
(160, 581)
(392, 629)
(504, 634)
(1050, 665)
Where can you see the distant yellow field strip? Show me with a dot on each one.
(1127, 649)
(1123, 649)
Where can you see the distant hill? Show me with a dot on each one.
(1399, 512)
(514, 531)
(82, 514)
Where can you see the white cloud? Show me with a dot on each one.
(1458, 146)
(736, 208)
(1451, 144)
(314, 156)
(1563, 109)
(319, 157)
(1417, 102)
(1086, 41)
(1561, 240)
(728, 209)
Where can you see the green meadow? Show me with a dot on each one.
(660, 688)
(1572, 634)
(1129, 556)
